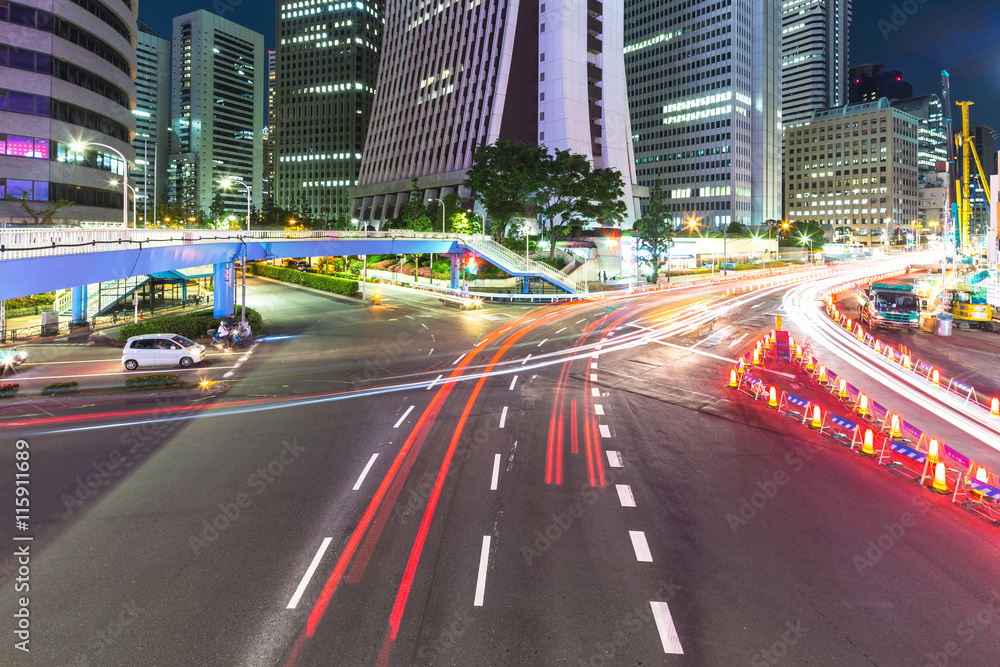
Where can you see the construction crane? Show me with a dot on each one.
(965, 142)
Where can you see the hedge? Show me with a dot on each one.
(191, 325)
(314, 280)
(8, 389)
(59, 388)
(152, 381)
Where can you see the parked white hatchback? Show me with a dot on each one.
(161, 350)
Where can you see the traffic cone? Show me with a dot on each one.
(863, 405)
(868, 446)
(940, 483)
(140, 314)
(891, 354)
(810, 365)
(772, 336)
(932, 450)
(798, 353)
(861, 333)
(822, 374)
(982, 475)
(842, 390)
(756, 357)
(849, 324)
(733, 382)
(772, 398)
(894, 428)
(995, 408)
(817, 420)
(935, 378)
(791, 342)
(906, 361)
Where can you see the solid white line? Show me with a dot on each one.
(665, 626)
(738, 340)
(543, 342)
(404, 416)
(503, 416)
(431, 352)
(598, 409)
(484, 559)
(309, 573)
(364, 473)
(512, 383)
(605, 431)
(496, 473)
(526, 360)
(593, 377)
(641, 546)
(614, 459)
(435, 381)
(594, 391)
(625, 495)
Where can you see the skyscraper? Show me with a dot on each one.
(866, 83)
(66, 75)
(267, 193)
(152, 120)
(704, 86)
(932, 156)
(984, 139)
(467, 74)
(815, 55)
(325, 74)
(217, 97)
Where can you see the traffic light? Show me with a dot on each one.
(473, 268)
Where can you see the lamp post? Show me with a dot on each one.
(442, 234)
(134, 197)
(228, 183)
(80, 146)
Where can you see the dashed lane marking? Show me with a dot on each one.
(408, 410)
(640, 546)
(309, 573)
(458, 360)
(598, 409)
(364, 473)
(526, 360)
(614, 458)
(496, 472)
(434, 382)
(484, 560)
(665, 626)
(503, 416)
(605, 431)
(625, 495)
(513, 382)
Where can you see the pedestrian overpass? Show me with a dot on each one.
(36, 260)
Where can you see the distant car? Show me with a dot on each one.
(12, 357)
(161, 350)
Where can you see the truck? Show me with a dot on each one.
(889, 306)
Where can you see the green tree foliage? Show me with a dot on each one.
(655, 229)
(217, 210)
(503, 177)
(735, 229)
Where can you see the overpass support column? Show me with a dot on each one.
(225, 292)
(456, 271)
(79, 304)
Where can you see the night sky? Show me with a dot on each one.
(960, 36)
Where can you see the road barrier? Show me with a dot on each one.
(881, 436)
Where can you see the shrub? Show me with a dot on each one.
(152, 381)
(191, 325)
(8, 389)
(314, 280)
(58, 388)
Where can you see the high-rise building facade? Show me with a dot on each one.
(815, 56)
(983, 138)
(152, 120)
(932, 156)
(217, 93)
(267, 192)
(704, 87)
(462, 75)
(853, 170)
(325, 75)
(67, 75)
(871, 82)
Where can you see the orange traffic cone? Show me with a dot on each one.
(982, 475)
(822, 374)
(932, 450)
(940, 483)
(140, 315)
(894, 428)
(842, 391)
(995, 408)
(935, 378)
(817, 420)
(868, 446)
(810, 365)
(861, 333)
(863, 405)
(756, 357)
(772, 398)
(733, 383)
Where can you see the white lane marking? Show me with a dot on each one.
(512, 382)
(364, 473)
(593, 365)
(757, 305)
(578, 321)
(738, 340)
(496, 473)
(543, 342)
(434, 382)
(510, 459)
(408, 410)
(484, 559)
(309, 573)
(227, 374)
(425, 326)
(503, 416)
(605, 431)
(598, 409)
(411, 317)
(458, 360)
(594, 391)
(641, 546)
(625, 495)
(431, 352)
(595, 355)
(561, 330)
(504, 329)
(526, 360)
(665, 626)
(593, 377)
(614, 459)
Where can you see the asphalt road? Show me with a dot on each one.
(618, 507)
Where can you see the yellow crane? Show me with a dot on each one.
(965, 143)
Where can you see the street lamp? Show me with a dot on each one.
(442, 234)
(134, 197)
(228, 183)
(80, 146)
(807, 239)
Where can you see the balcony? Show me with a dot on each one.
(594, 73)
(594, 92)
(594, 45)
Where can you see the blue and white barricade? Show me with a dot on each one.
(981, 497)
(911, 434)
(751, 386)
(922, 368)
(790, 404)
(894, 446)
(840, 428)
(877, 413)
(962, 389)
(831, 381)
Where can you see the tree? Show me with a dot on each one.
(502, 178)
(655, 229)
(40, 216)
(414, 214)
(603, 199)
(217, 209)
(734, 229)
(566, 177)
(465, 222)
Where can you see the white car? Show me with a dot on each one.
(161, 350)
(12, 357)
